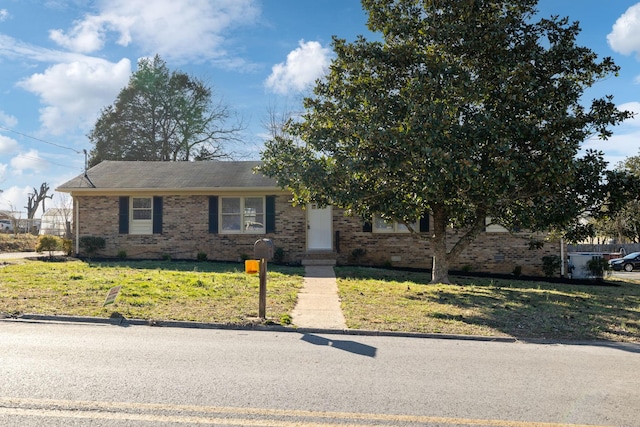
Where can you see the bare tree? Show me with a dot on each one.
(64, 205)
(15, 218)
(35, 198)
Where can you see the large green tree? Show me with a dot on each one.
(162, 115)
(465, 109)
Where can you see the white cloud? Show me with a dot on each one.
(304, 65)
(7, 120)
(633, 107)
(8, 145)
(73, 93)
(3, 172)
(30, 160)
(14, 199)
(15, 49)
(86, 36)
(4, 15)
(625, 35)
(184, 30)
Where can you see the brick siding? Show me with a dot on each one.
(185, 234)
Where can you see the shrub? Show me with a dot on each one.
(598, 267)
(122, 254)
(92, 244)
(278, 255)
(67, 246)
(551, 264)
(517, 270)
(357, 254)
(48, 243)
(202, 256)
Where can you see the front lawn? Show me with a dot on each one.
(381, 299)
(372, 299)
(154, 290)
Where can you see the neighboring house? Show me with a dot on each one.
(54, 221)
(181, 209)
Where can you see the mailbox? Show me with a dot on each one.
(263, 249)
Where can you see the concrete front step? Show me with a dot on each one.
(319, 258)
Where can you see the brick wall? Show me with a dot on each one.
(185, 234)
(496, 252)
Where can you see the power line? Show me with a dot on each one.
(41, 140)
(42, 159)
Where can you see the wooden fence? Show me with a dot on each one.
(607, 249)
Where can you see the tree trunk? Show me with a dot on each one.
(440, 269)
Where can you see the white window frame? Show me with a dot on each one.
(394, 227)
(247, 219)
(140, 226)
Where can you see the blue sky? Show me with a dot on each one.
(62, 61)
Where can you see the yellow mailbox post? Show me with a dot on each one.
(262, 252)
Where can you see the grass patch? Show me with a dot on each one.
(375, 299)
(154, 290)
(404, 301)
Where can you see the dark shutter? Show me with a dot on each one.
(424, 224)
(123, 218)
(270, 214)
(157, 215)
(213, 214)
(367, 226)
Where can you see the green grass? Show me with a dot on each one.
(154, 290)
(404, 301)
(374, 299)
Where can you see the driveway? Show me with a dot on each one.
(14, 255)
(623, 275)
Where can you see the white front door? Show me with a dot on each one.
(319, 227)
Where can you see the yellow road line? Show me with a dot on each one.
(92, 410)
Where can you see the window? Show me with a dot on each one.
(141, 215)
(141, 208)
(381, 225)
(242, 215)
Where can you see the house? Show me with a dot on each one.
(182, 209)
(55, 221)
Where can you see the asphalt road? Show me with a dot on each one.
(104, 375)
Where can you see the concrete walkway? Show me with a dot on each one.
(318, 304)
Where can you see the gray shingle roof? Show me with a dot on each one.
(113, 175)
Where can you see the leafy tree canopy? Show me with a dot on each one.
(466, 109)
(162, 115)
(620, 218)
